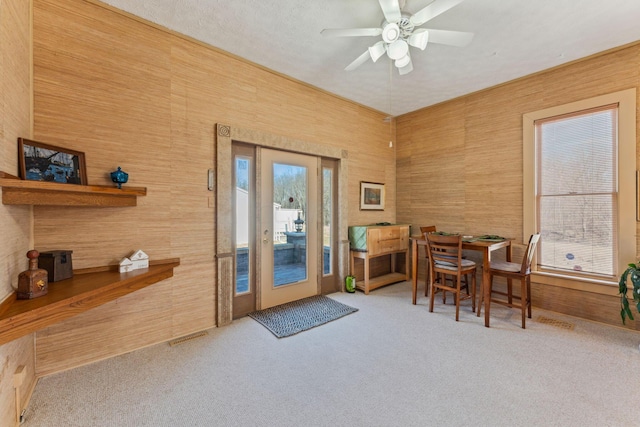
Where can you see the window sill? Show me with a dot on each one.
(603, 287)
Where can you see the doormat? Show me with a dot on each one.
(297, 316)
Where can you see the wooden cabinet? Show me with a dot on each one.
(371, 241)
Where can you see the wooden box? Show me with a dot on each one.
(379, 239)
(57, 263)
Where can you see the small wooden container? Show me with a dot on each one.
(58, 264)
(33, 282)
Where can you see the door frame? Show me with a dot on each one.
(225, 268)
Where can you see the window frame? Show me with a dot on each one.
(626, 230)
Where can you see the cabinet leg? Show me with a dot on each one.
(366, 275)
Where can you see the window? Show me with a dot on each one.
(242, 208)
(579, 192)
(327, 220)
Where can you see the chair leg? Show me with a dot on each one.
(523, 300)
(433, 280)
(473, 293)
(509, 292)
(426, 279)
(488, 314)
(443, 278)
(459, 291)
(529, 296)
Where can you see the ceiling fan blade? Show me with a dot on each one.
(351, 32)
(358, 61)
(452, 38)
(406, 69)
(391, 10)
(431, 11)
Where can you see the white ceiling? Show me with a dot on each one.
(513, 38)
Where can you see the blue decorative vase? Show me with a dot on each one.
(119, 177)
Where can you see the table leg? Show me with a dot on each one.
(486, 285)
(406, 264)
(414, 269)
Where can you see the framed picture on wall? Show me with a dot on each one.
(44, 162)
(371, 196)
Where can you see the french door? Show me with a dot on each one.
(285, 243)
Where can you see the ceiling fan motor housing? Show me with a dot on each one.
(391, 31)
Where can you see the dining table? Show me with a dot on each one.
(474, 243)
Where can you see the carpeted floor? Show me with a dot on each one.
(291, 318)
(389, 364)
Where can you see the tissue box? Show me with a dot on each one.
(57, 263)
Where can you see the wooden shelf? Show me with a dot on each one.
(379, 281)
(88, 288)
(39, 193)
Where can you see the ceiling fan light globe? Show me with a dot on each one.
(377, 50)
(397, 49)
(419, 38)
(390, 33)
(403, 62)
(406, 69)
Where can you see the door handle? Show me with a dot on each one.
(265, 239)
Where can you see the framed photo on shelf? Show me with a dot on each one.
(38, 161)
(371, 196)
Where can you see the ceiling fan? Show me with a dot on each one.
(400, 30)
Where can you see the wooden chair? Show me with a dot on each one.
(424, 231)
(513, 270)
(445, 258)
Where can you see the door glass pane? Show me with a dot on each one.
(289, 227)
(327, 210)
(242, 168)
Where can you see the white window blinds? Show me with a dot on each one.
(577, 191)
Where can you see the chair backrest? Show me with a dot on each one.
(427, 229)
(445, 249)
(528, 256)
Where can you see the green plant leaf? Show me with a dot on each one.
(625, 310)
(622, 284)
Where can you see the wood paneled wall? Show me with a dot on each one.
(15, 221)
(460, 163)
(131, 94)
